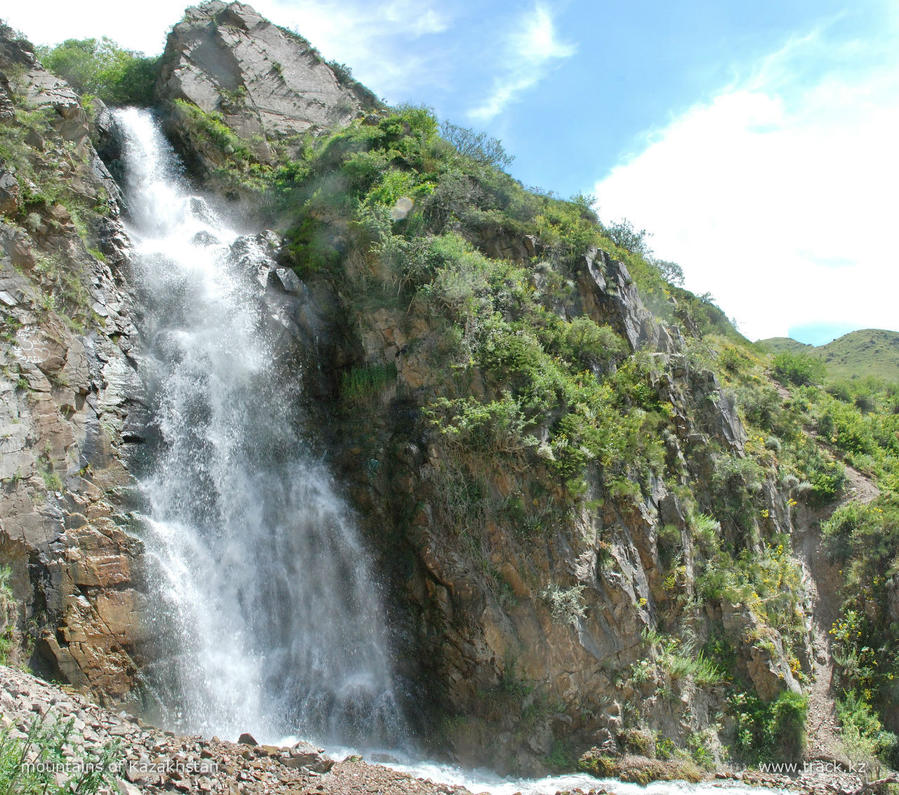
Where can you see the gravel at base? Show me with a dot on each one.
(160, 761)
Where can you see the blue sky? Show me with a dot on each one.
(755, 141)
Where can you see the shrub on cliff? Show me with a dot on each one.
(862, 732)
(773, 732)
(102, 68)
(479, 146)
(797, 368)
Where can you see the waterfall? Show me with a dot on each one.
(265, 616)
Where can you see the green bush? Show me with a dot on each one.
(788, 715)
(103, 69)
(360, 383)
(848, 428)
(772, 732)
(624, 235)
(497, 427)
(797, 368)
(735, 481)
(825, 476)
(566, 604)
(588, 345)
(863, 733)
(865, 535)
(476, 145)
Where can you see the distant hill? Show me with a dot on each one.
(854, 355)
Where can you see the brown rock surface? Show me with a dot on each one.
(66, 392)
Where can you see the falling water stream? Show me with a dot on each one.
(269, 620)
(266, 617)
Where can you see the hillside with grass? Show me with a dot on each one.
(859, 354)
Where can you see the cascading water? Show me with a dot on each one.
(267, 616)
(267, 619)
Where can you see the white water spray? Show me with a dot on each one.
(268, 620)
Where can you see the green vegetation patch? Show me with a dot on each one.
(29, 765)
(99, 67)
(867, 353)
(772, 732)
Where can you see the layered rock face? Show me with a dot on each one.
(66, 387)
(267, 82)
(525, 625)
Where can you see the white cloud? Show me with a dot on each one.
(778, 196)
(528, 53)
(137, 26)
(373, 38)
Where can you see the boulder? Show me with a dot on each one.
(285, 280)
(304, 754)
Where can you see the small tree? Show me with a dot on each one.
(623, 235)
(671, 272)
(479, 146)
(102, 68)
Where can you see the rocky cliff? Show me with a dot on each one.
(67, 388)
(264, 82)
(536, 624)
(584, 512)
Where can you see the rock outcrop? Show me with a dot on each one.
(525, 624)
(608, 294)
(67, 387)
(266, 82)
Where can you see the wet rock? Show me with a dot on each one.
(285, 280)
(205, 239)
(105, 133)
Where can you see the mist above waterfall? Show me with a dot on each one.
(267, 618)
